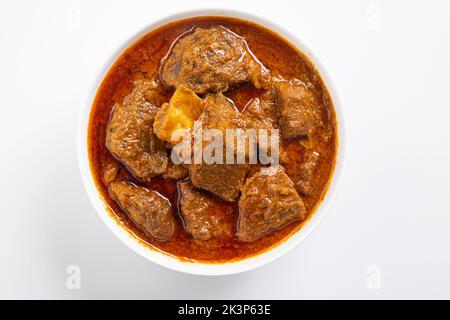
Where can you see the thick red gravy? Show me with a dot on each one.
(143, 59)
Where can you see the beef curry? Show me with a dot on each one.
(228, 73)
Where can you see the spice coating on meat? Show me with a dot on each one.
(223, 180)
(310, 162)
(298, 109)
(212, 60)
(111, 169)
(260, 114)
(175, 171)
(150, 211)
(268, 202)
(130, 137)
(203, 217)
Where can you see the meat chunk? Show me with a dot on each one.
(268, 202)
(154, 92)
(212, 59)
(223, 180)
(260, 114)
(130, 137)
(220, 113)
(175, 171)
(310, 162)
(110, 170)
(298, 109)
(203, 216)
(149, 210)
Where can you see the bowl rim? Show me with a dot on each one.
(194, 267)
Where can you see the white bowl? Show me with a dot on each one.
(196, 267)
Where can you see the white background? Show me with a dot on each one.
(390, 62)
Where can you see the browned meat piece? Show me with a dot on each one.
(268, 202)
(150, 211)
(220, 113)
(311, 159)
(130, 137)
(212, 60)
(110, 170)
(203, 216)
(224, 180)
(260, 114)
(152, 89)
(175, 171)
(298, 109)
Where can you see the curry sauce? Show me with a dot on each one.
(142, 59)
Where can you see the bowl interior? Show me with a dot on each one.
(164, 259)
